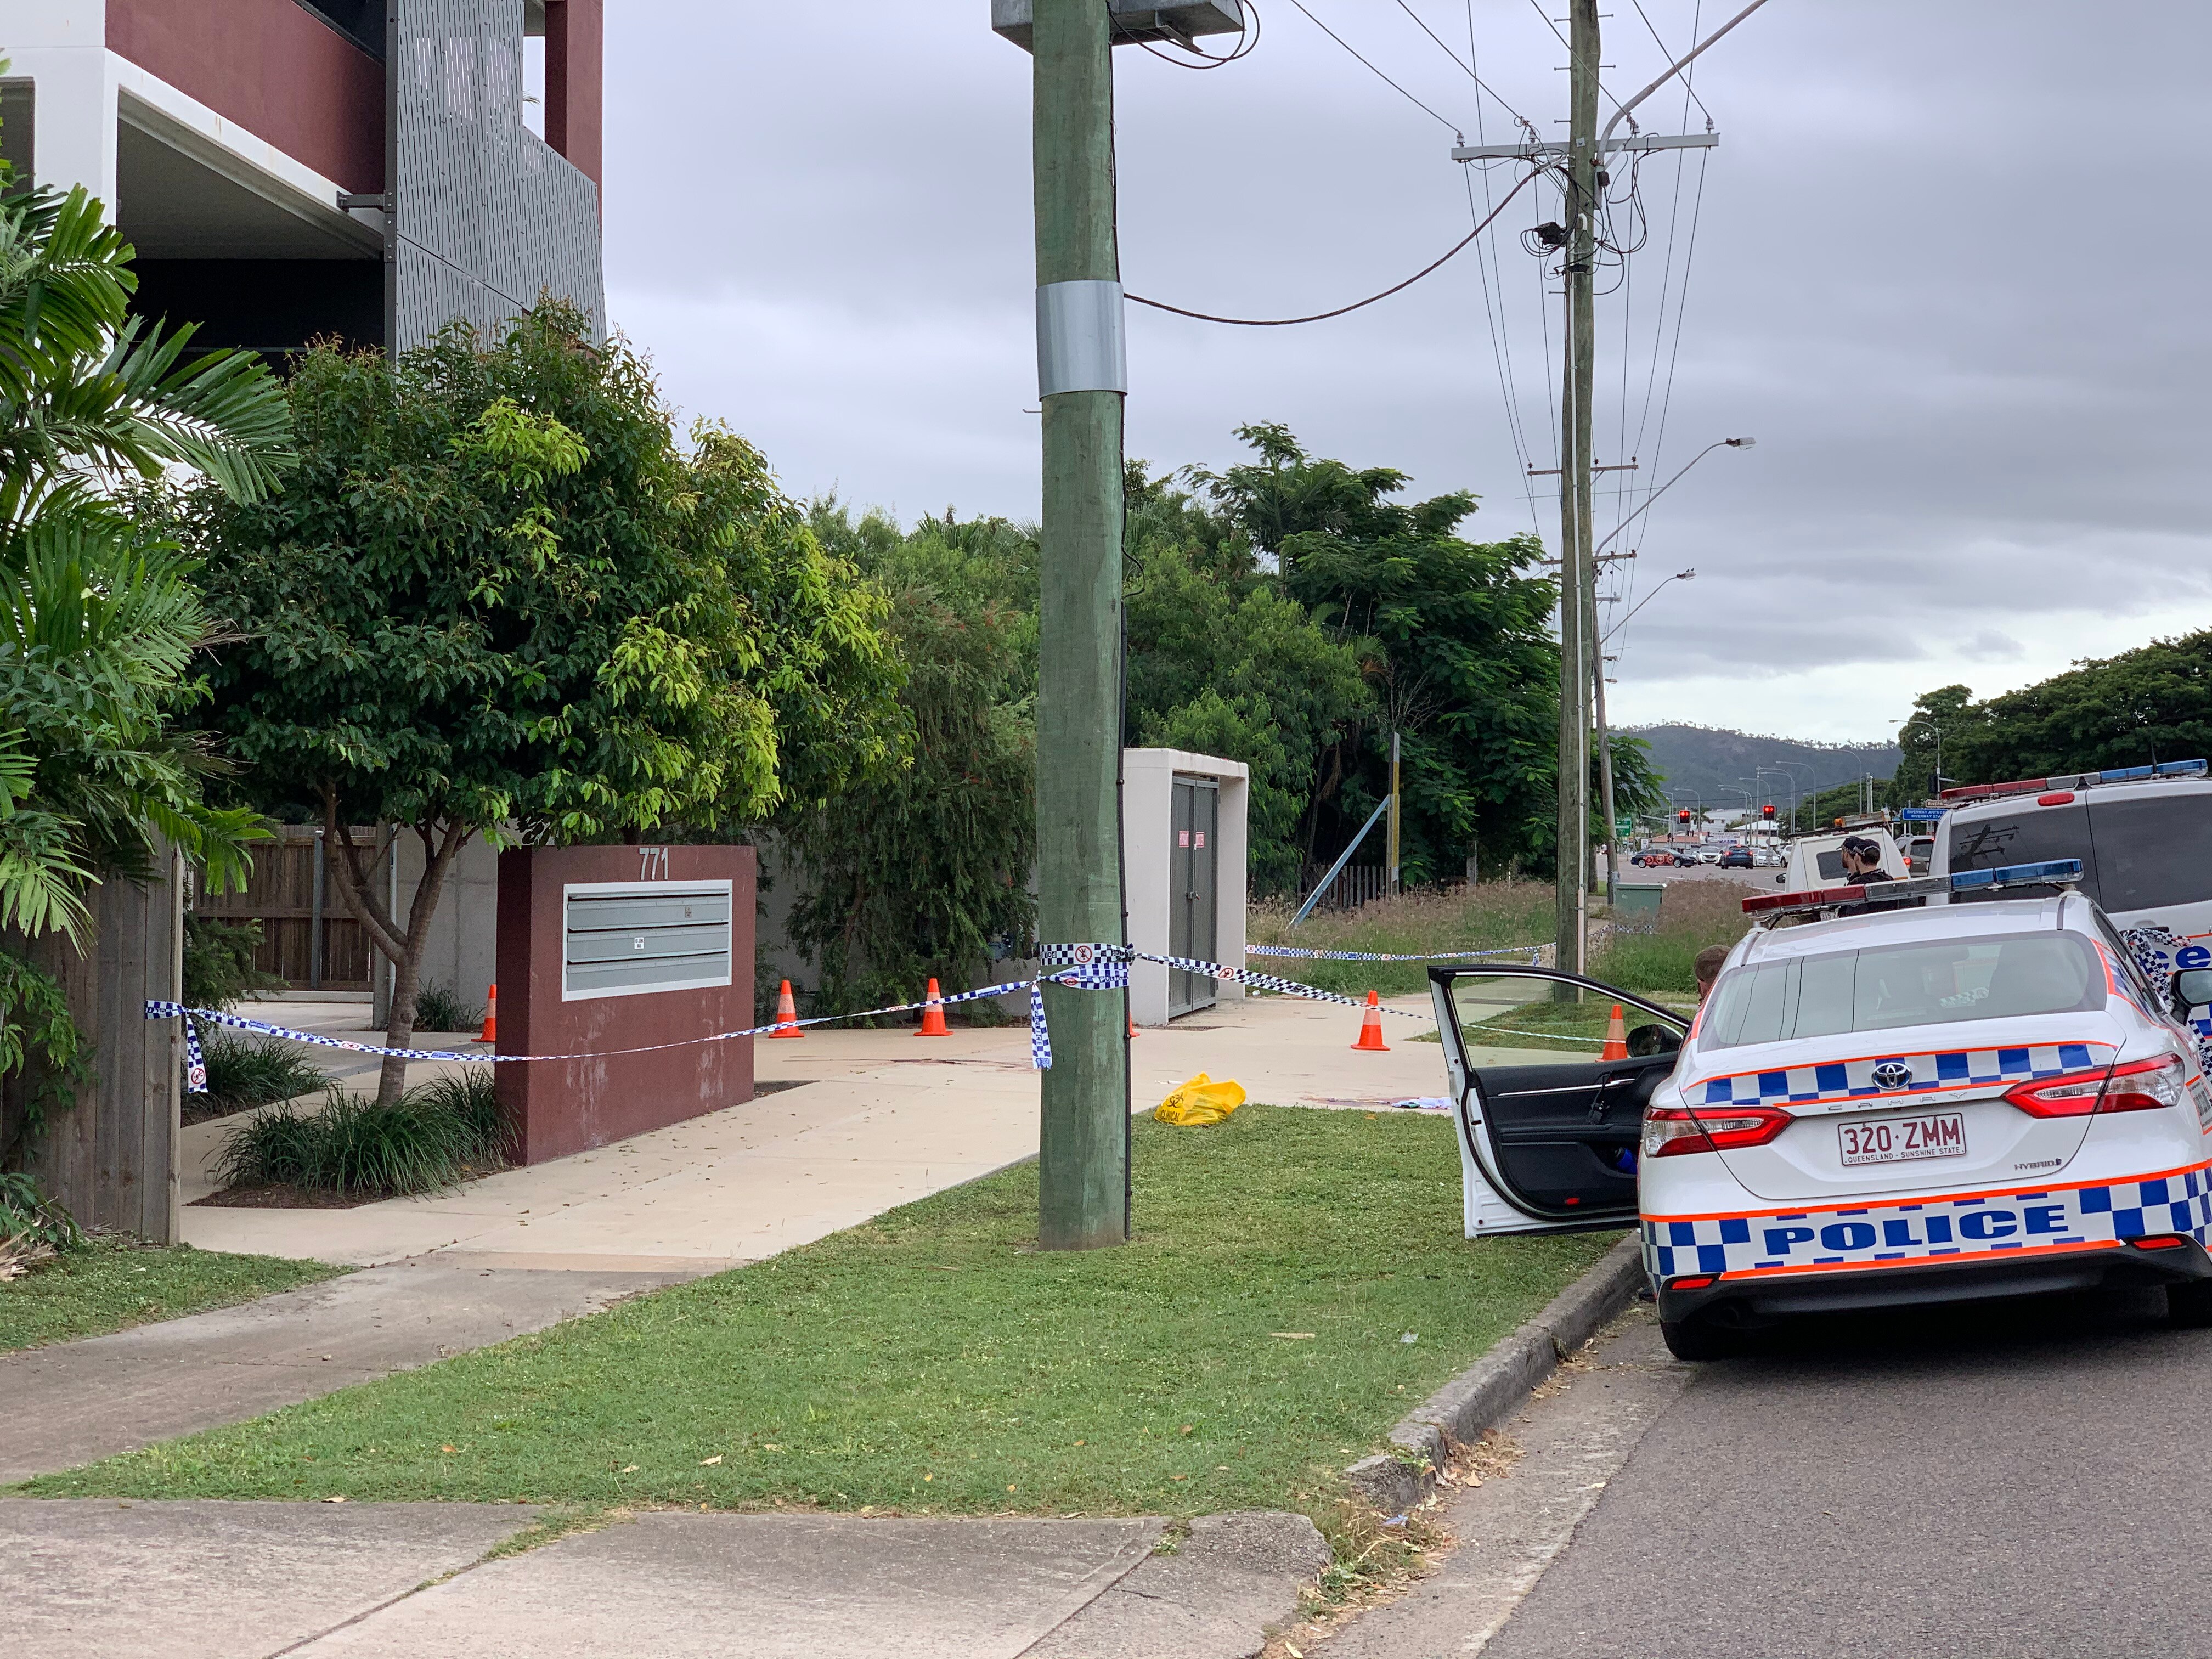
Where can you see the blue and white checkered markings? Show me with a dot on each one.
(1935, 1229)
(1854, 1079)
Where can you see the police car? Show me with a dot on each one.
(1876, 1107)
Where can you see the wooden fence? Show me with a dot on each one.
(296, 909)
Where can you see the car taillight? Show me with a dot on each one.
(2163, 1241)
(1670, 1131)
(2140, 1085)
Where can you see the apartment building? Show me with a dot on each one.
(294, 169)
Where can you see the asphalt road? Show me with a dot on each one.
(2018, 1483)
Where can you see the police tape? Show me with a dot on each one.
(1075, 967)
(1533, 952)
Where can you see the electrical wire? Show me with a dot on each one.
(1248, 42)
(1668, 52)
(1323, 316)
(1468, 67)
(1450, 126)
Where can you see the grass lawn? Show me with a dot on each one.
(1576, 1028)
(1249, 1344)
(108, 1285)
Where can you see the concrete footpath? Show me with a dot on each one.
(90, 1579)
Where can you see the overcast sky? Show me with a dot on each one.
(1949, 271)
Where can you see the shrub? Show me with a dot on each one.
(441, 1008)
(32, 1226)
(431, 1137)
(243, 1073)
(219, 962)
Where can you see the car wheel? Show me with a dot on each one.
(1699, 1342)
(2190, 1306)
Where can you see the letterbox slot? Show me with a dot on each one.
(629, 938)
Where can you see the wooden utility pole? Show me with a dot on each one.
(1083, 1160)
(1578, 586)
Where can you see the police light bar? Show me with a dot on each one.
(2054, 871)
(2188, 769)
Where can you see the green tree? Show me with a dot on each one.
(1455, 643)
(2139, 708)
(919, 873)
(498, 593)
(1937, 727)
(1221, 661)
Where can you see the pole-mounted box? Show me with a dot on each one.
(1133, 20)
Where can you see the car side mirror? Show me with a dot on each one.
(2189, 988)
(1653, 1039)
(1781, 880)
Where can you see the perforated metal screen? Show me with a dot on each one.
(486, 215)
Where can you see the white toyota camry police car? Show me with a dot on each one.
(1891, 1106)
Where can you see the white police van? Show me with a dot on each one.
(2143, 835)
(1894, 1107)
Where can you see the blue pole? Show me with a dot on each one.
(1336, 869)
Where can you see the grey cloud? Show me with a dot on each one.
(1943, 273)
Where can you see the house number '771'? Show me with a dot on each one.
(653, 864)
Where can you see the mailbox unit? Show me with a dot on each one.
(641, 960)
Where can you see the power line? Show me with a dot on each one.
(1323, 316)
(1668, 52)
(1248, 42)
(1469, 66)
(1450, 127)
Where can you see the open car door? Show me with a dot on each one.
(1549, 1147)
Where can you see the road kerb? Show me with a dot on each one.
(1495, 1386)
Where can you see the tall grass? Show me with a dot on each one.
(243, 1073)
(432, 1137)
(1696, 911)
(1492, 914)
(442, 1008)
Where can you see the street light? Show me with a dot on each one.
(1795, 787)
(1722, 443)
(1689, 575)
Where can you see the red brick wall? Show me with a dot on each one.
(282, 75)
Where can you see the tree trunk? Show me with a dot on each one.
(357, 884)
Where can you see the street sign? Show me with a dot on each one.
(1922, 814)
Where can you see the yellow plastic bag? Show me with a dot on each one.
(1199, 1102)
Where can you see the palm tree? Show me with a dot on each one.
(97, 615)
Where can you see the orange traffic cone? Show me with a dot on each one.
(1371, 1029)
(491, 1015)
(933, 1015)
(1616, 1038)
(787, 1016)
(1132, 1025)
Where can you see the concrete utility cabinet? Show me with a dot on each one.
(609, 948)
(1184, 853)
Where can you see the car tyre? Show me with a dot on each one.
(1699, 1342)
(2189, 1307)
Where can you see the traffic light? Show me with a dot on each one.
(1682, 816)
(1766, 812)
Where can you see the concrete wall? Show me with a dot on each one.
(463, 949)
(1148, 778)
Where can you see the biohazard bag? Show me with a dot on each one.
(1199, 1102)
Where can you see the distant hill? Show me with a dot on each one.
(1697, 760)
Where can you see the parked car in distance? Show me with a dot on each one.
(1737, 857)
(1710, 854)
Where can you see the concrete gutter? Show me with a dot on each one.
(1495, 1386)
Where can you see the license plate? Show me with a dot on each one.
(1894, 1140)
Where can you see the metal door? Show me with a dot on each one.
(1194, 866)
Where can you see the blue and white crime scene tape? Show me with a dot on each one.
(1075, 967)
